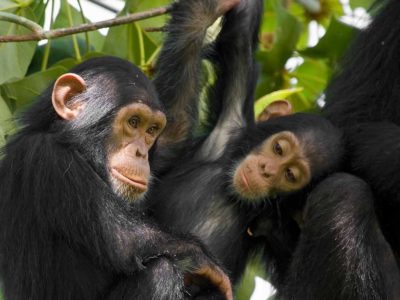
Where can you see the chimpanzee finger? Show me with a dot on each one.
(217, 278)
(226, 5)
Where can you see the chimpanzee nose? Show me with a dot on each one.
(141, 151)
(268, 168)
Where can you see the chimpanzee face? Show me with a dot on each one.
(135, 129)
(277, 165)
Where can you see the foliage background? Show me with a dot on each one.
(290, 67)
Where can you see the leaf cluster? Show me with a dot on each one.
(289, 68)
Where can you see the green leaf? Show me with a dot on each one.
(361, 3)
(313, 6)
(254, 267)
(92, 55)
(129, 42)
(269, 98)
(6, 124)
(24, 3)
(334, 43)
(285, 36)
(15, 57)
(25, 90)
(62, 20)
(313, 77)
(133, 6)
(8, 5)
(60, 49)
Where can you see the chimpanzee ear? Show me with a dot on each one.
(276, 109)
(65, 87)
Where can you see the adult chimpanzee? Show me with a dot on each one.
(211, 184)
(363, 99)
(340, 252)
(70, 181)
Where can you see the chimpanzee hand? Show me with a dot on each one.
(205, 12)
(200, 269)
(226, 5)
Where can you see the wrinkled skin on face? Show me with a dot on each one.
(135, 129)
(278, 165)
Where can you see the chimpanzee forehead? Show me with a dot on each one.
(128, 81)
(138, 92)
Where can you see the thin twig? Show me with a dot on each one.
(74, 38)
(47, 48)
(83, 21)
(41, 34)
(155, 29)
(32, 26)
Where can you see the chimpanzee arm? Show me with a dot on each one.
(177, 78)
(158, 255)
(94, 221)
(140, 238)
(342, 253)
(367, 86)
(277, 233)
(374, 154)
(155, 282)
(231, 100)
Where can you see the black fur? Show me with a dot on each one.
(364, 100)
(197, 180)
(341, 252)
(64, 233)
(367, 87)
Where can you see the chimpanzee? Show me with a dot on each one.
(213, 184)
(340, 252)
(347, 245)
(70, 184)
(364, 100)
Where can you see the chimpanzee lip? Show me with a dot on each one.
(137, 183)
(244, 179)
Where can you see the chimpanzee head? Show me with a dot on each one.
(284, 153)
(108, 110)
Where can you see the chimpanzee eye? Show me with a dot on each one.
(134, 121)
(152, 130)
(277, 149)
(289, 175)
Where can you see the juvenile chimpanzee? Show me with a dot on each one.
(213, 183)
(70, 182)
(348, 245)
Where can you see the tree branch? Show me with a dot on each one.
(32, 26)
(40, 34)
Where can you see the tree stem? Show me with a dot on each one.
(40, 34)
(32, 26)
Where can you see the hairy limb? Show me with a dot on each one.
(373, 154)
(139, 242)
(278, 234)
(367, 86)
(178, 68)
(343, 245)
(230, 102)
(159, 280)
(374, 150)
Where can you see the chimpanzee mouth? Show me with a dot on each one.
(139, 184)
(245, 181)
